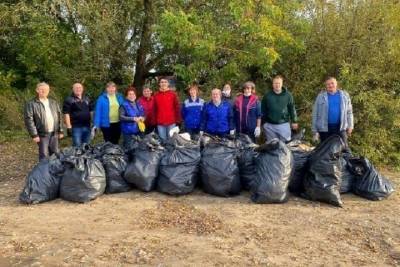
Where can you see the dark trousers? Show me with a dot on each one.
(334, 130)
(112, 133)
(48, 145)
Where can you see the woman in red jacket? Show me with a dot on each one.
(147, 102)
(167, 109)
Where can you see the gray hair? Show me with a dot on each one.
(42, 84)
(111, 84)
(248, 84)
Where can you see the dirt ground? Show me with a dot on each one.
(152, 229)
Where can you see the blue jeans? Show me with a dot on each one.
(80, 135)
(163, 131)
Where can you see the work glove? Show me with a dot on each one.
(316, 137)
(173, 131)
(93, 132)
(257, 132)
(201, 133)
(69, 132)
(232, 132)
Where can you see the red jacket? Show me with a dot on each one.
(166, 107)
(148, 106)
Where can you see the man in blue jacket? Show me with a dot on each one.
(217, 116)
(332, 113)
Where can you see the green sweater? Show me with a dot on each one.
(278, 108)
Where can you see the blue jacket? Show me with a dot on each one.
(102, 110)
(127, 111)
(191, 113)
(217, 120)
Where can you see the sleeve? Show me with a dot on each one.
(349, 114)
(91, 105)
(292, 110)
(97, 114)
(258, 109)
(141, 110)
(231, 118)
(66, 106)
(183, 111)
(264, 107)
(60, 119)
(203, 118)
(123, 116)
(29, 121)
(314, 115)
(177, 110)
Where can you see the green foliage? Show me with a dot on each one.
(211, 42)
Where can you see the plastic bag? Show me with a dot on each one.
(274, 164)
(179, 166)
(115, 163)
(368, 182)
(84, 179)
(142, 171)
(246, 156)
(43, 182)
(323, 179)
(219, 168)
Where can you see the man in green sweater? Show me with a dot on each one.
(279, 112)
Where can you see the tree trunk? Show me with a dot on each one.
(140, 68)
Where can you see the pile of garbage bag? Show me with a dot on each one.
(220, 166)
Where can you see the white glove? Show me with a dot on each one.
(316, 137)
(232, 132)
(201, 133)
(173, 131)
(93, 132)
(257, 132)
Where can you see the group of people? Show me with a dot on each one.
(115, 114)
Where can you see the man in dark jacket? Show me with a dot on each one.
(279, 112)
(43, 121)
(78, 109)
(217, 116)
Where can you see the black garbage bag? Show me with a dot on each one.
(179, 166)
(115, 162)
(219, 168)
(43, 182)
(368, 182)
(246, 156)
(83, 180)
(347, 175)
(300, 157)
(323, 179)
(274, 164)
(142, 170)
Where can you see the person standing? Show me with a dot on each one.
(130, 114)
(217, 116)
(247, 112)
(227, 94)
(332, 113)
(106, 115)
(279, 112)
(147, 102)
(167, 108)
(192, 108)
(78, 109)
(43, 121)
